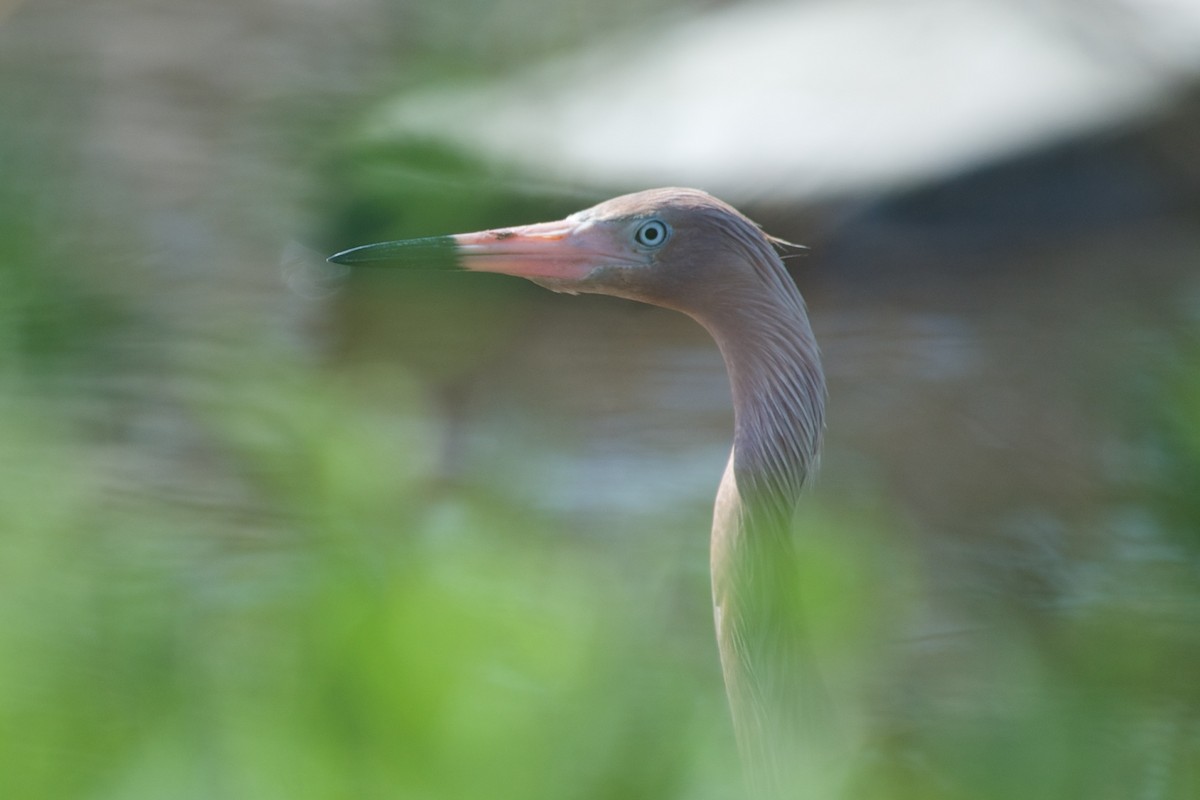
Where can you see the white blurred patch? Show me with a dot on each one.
(802, 99)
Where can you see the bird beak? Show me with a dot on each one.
(566, 250)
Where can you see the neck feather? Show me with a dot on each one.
(778, 398)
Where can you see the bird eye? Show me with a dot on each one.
(652, 233)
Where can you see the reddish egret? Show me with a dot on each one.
(684, 249)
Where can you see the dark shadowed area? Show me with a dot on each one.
(271, 528)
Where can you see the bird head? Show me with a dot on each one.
(676, 248)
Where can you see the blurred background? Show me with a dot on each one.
(272, 530)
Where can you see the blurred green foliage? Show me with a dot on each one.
(374, 646)
(365, 637)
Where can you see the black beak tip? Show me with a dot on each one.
(434, 252)
(344, 257)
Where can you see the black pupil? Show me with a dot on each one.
(650, 233)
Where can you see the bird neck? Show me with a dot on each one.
(778, 392)
(778, 396)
